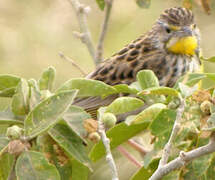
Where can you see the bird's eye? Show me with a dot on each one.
(168, 30)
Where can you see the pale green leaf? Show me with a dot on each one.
(124, 104)
(46, 82)
(20, 100)
(48, 112)
(159, 91)
(148, 114)
(101, 4)
(147, 79)
(33, 165)
(70, 142)
(161, 126)
(8, 85)
(88, 87)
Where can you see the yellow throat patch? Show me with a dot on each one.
(186, 45)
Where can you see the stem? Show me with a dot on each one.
(73, 63)
(109, 157)
(176, 128)
(85, 36)
(129, 156)
(100, 46)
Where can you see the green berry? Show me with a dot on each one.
(109, 120)
(14, 132)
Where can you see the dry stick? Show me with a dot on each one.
(176, 128)
(85, 35)
(73, 63)
(184, 157)
(99, 50)
(129, 156)
(109, 157)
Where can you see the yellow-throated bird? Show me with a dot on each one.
(167, 49)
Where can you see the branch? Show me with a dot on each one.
(100, 45)
(137, 147)
(109, 157)
(184, 157)
(85, 36)
(129, 156)
(176, 128)
(73, 63)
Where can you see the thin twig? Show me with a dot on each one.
(176, 128)
(73, 63)
(129, 156)
(99, 50)
(184, 158)
(137, 146)
(109, 157)
(85, 35)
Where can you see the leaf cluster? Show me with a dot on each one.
(43, 134)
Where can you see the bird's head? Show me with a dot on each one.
(177, 32)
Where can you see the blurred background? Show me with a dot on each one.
(33, 32)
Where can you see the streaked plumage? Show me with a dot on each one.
(153, 50)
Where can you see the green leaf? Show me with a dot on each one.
(211, 59)
(35, 95)
(211, 123)
(48, 112)
(46, 81)
(6, 164)
(201, 165)
(143, 3)
(8, 85)
(101, 4)
(148, 114)
(20, 100)
(190, 79)
(210, 171)
(187, 91)
(74, 117)
(117, 135)
(33, 165)
(147, 79)
(161, 126)
(3, 143)
(55, 155)
(88, 87)
(79, 172)
(159, 91)
(70, 142)
(145, 173)
(210, 76)
(7, 117)
(124, 104)
(174, 175)
(124, 88)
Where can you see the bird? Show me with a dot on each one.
(168, 49)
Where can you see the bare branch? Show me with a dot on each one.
(73, 63)
(184, 158)
(176, 128)
(99, 50)
(109, 157)
(85, 35)
(137, 146)
(129, 156)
